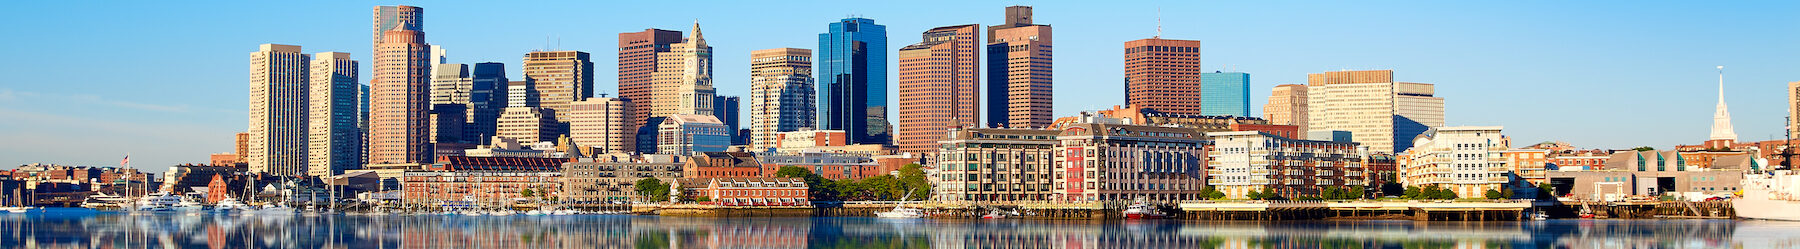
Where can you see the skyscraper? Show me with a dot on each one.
(852, 79)
(1377, 111)
(1287, 106)
(561, 77)
(451, 84)
(1225, 93)
(602, 125)
(637, 64)
(398, 124)
(278, 110)
(682, 83)
(726, 109)
(939, 80)
(1018, 64)
(521, 93)
(1163, 75)
(335, 142)
(781, 94)
(1793, 98)
(487, 97)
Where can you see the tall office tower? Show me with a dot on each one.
(561, 77)
(1163, 75)
(1018, 64)
(335, 142)
(398, 124)
(362, 116)
(521, 93)
(939, 79)
(451, 84)
(602, 125)
(1287, 106)
(781, 94)
(637, 64)
(852, 76)
(529, 124)
(1377, 111)
(726, 109)
(486, 97)
(278, 110)
(682, 83)
(1793, 98)
(437, 57)
(448, 122)
(1225, 93)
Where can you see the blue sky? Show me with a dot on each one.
(89, 81)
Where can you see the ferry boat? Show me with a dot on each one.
(1769, 195)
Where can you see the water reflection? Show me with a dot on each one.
(66, 229)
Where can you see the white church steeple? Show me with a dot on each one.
(1721, 129)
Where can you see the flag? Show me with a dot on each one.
(125, 162)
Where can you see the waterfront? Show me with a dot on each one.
(71, 228)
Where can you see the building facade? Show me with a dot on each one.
(602, 125)
(1114, 162)
(682, 83)
(638, 53)
(1528, 164)
(1466, 159)
(1253, 161)
(852, 80)
(722, 164)
(1287, 106)
(781, 94)
(335, 141)
(1376, 110)
(1225, 94)
(279, 78)
(684, 134)
(398, 108)
(996, 165)
(560, 78)
(529, 124)
(743, 191)
(830, 165)
(1019, 72)
(1163, 75)
(593, 183)
(939, 79)
(726, 109)
(487, 98)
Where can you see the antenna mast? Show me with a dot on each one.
(1158, 23)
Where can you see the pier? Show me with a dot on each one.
(1312, 210)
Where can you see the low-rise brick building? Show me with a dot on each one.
(744, 191)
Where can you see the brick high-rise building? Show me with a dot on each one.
(1163, 75)
(1793, 99)
(278, 109)
(637, 63)
(1018, 64)
(939, 80)
(781, 94)
(1377, 111)
(335, 142)
(1287, 106)
(398, 111)
(561, 77)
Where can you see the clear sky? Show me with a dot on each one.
(166, 81)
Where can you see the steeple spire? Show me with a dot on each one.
(695, 37)
(1721, 129)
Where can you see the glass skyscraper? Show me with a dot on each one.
(1225, 93)
(852, 79)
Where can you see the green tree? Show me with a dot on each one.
(1643, 148)
(526, 193)
(1546, 192)
(1507, 193)
(817, 186)
(1495, 194)
(1413, 192)
(1358, 193)
(652, 188)
(912, 178)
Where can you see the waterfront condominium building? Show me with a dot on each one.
(1115, 162)
(1225, 94)
(602, 125)
(1464, 159)
(684, 134)
(1163, 75)
(1377, 111)
(852, 75)
(1018, 65)
(560, 78)
(682, 83)
(996, 165)
(1253, 161)
(529, 124)
(726, 109)
(399, 106)
(278, 110)
(781, 94)
(486, 97)
(939, 80)
(335, 142)
(1287, 106)
(637, 63)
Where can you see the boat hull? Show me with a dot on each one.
(1759, 205)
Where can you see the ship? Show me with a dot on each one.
(1768, 195)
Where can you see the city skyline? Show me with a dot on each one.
(171, 129)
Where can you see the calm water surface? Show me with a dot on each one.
(71, 228)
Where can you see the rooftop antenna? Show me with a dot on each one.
(1158, 23)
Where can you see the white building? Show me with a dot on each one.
(1465, 159)
(1246, 161)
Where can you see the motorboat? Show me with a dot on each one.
(162, 201)
(189, 205)
(276, 209)
(1141, 210)
(902, 212)
(231, 204)
(993, 214)
(105, 201)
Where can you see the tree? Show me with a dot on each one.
(817, 186)
(1507, 193)
(912, 179)
(1358, 193)
(1546, 192)
(1331, 193)
(1211, 193)
(1413, 192)
(525, 193)
(1495, 194)
(652, 188)
(1643, 148)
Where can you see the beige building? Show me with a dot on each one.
(278, 110)
(335, 142)
(781, 94)
(1287, 106)
(398, 106)
(529, 124)
(602, 125)
(939, 86)
(1116, 162)
(451, 84)
(560, 78)
(682, 83)
(1466, 159)
(1377, 111)
(984, 165)
(589, 184)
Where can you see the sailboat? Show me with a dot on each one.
(900, 211)
(17, 205)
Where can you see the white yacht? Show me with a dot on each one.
(230, 204)
(189, 205)
(161, 201)
(282, 209)
(902, 212)
(1769, 195)
(105, 201)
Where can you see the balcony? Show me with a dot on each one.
(1498, 179)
